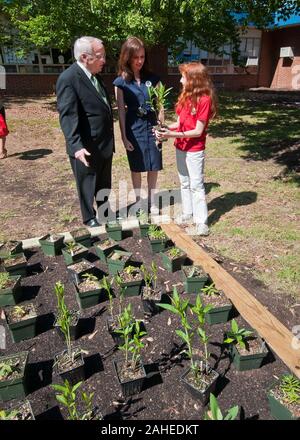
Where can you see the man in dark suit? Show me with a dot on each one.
(86, 120)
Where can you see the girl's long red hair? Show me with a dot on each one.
(198, 83)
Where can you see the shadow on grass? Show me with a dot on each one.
(225, 203)
(38, 153)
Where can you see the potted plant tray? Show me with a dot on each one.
(117, 260)
(21, 321)
(52, 244)
(74, 326)
(9, 248)
(201, 388)
(194, 278)
(89, 294)
(13, 376)
(132, 280)
(114, 230)
(70, 368)
(131, 382)
(250, 358)
(222, 308)
(77, 253)
(173, 258)
(284, 398)
(16, 265)
(10, 291)
(82, 236)
(77, 270)
(23, 411)
(150, 300)
(104, 248)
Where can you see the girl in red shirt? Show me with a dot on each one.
(196, 105)
(3, 132)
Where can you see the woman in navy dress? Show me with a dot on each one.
(136, 117)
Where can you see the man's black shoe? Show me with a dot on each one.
(93, 223)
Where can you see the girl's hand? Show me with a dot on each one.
(128, 145)
(162, 133)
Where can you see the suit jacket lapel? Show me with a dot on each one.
(89, 84)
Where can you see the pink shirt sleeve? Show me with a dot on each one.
(204, 109)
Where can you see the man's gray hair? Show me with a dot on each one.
(84, 45)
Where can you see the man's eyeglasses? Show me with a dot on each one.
(99, 57)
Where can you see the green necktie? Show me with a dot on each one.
(99, 89)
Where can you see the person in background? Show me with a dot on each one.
(196, 105)
(136, 118)
(3, 132)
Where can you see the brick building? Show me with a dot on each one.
(272, 59)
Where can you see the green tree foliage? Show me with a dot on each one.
(208, 23)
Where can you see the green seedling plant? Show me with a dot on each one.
(71, 247)
(125, 319)
(91, 277)
(9, 414)
(215, 412)
(122, 290)
(106, 285)
(130, 270)
(19, 312)
(210, 290)
(67, 396)
(150, 277)
(237, 335)
(158, 99)
(174, 252)
(136, 344)
(290, 387)
(142, 216)
(4, 279)
(7, 369)
(200, 311)
(156, 233)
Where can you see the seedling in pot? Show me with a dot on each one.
(174, 252)
(157, 100)
(215, 413)
(210, 290)
(4, 280)
(22, 412)
(7, 369)
(237, 335)
(143, 217)
(156, 233)
(106, 285)
(290, 388)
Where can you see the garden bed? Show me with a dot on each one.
(163, 396)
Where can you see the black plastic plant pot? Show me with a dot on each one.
(73, 373)
(70, 259)
(18, 267)
(158, 245)
(114, 230)
(130, 387)
(16, 386)
(76, 275)
(172, 264)
(193, 284)
(82, 236)
(116, 265)
(11, 295)
(23, 411)
(219, 315)
(250, 361)
(22, 329)
(278, 408)
(89, 298)
(10, 248)
(144, 228)
(206, 386)
(150, 305)
(74, 327)
(103, 253)
(117, 337)
(52, 247)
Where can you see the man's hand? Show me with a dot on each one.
(128, 145)
(80, 155)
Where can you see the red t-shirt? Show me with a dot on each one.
(188, 117)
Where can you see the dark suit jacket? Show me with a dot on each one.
(86, 120)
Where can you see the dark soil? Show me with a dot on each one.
(163, 396)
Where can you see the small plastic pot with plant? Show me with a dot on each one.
(117, 260)
(158, 238)
(247, 350)
(13, 376)
(104, 248)
(10, 248)
(52, 244)
(21, 321)
(144, 222)
(131, 279)
(69, 363)
(200, 378)
(173, 258)
(194, 278)
(215, 413)
(114, 230)
(151, 295)
(78, 270)
(158, 101)
(284, 398)
(67, 396)
(16, 265)
(130, 370)
(222, 307)
(10, 289)
(82, 236)
(74, 252)
(62, 309)
(22, 411)
(90, 291)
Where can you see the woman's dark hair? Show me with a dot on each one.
(129, 48)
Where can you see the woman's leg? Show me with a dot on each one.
(184, 178)
(195, 165)
(3, 151)
(136, 179)
(151, 181)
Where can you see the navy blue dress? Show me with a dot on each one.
(145, 156)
